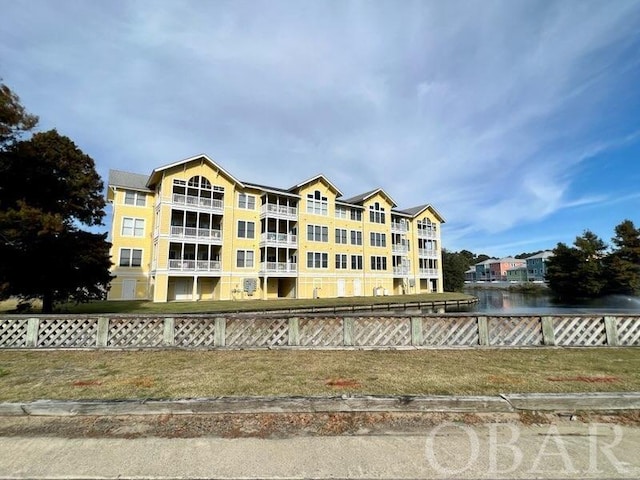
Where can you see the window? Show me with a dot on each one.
(246, 201)
(356, 262)
(316, 203)
(341, 212)
(135, 198)
(317, 260)
(356, 237)
(378, 239)
(341, 261)
(376, 213)
(244, 259)
(341, 235)
(356, 214)
(317, 233)
(378, 263)
(246, 229)
(132, 227)
(130, 257)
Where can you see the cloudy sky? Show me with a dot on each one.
(518, 120)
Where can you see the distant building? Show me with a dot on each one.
(470, 275)
(537, 266)
(482, 270)
(517, 275)
(498, 268)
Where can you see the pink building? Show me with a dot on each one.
(498, 268)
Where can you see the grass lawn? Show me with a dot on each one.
(140, 306)
(30, 375)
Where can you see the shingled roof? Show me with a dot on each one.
(134, 181)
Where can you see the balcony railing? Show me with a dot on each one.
(427, 252)
(195, 265)
(399, 227)
(401, 270)
(427, 233)
(399, 249)
(196, 233)
(279, 238)
(281, 211)
(428, 272)
(199, 202)
(278, 267)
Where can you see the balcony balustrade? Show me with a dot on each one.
(399, 227)
(400, 271)
(278, 211)
(399, 249)
(279, 239)
(213, 235)
(278, 267)
(428, 252)
(195, 265)
(213, 204)
(428, 272)
(427, 233)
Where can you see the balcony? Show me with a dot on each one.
(192, 233)
(399, 227)
(428, 272)
(274, 239)
(399, 249)
(427, 233)
(195, 266)
(428, 252)
(210, 204)
(282, 268)
(278, 211)
(400, 271)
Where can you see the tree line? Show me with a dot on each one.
(49, 191)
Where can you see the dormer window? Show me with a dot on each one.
(316, 203)
(376, 213)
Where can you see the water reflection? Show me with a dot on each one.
(504, 301)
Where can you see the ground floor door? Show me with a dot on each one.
(183, 288)
(357, 287)
(341, 287)
(128, 289)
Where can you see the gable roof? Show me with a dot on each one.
(134, 181)
(268, 189)
(359, 199)
(156, 171)
(415, 211)
(320, 176)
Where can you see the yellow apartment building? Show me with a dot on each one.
(192, 231)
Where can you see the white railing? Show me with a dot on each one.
(399, 249)
(278, 267)
(209, 203)
(274, 210)
(427, 252)
(279, 238)
(399, 227)
(195, 265)
(428, 272)
(193, 232)
(427, 233)
(401, 270)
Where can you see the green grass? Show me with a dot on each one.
(30, 375)
(220, 306)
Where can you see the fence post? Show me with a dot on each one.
(548, 335)
(33, 324)
(483, 331)
(294, 332)
(219, 337)
(416, 331)
(347, 323)
(102, 337)
(612, 331)
(168, 337)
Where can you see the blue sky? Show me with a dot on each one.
(518, 120)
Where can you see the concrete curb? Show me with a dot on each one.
(449, 404)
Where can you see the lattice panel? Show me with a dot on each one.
(67, 332)
(321, 332)
(449, 331)
(515, 331)
(382, 331)
(628, 331)
(257, 332)
(13, 332)
(197, 332)
(579, 331)
(135, 332)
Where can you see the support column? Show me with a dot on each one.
(194, 290)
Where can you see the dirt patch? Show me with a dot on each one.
(584, 379)
(342, 383)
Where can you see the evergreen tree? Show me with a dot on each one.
(454, 265)
(623, 264)
(14, 119)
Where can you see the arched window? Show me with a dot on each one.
(317, 203)
(376, 213)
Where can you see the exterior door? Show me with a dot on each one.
(357, 287)
(184, 288)
(128, 289)
(341, 287)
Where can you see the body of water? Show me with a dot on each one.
(495, 300)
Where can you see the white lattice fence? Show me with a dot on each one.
(257, 332)
(136, 332)
(195, 332)
(381, 331)
(321, 332)
(515, 331)
(13, 332)
(579, 331)
(450, 331)
(67, 332)
(628, 329)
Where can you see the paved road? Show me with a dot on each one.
(447, 450)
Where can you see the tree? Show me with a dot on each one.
(14, 120)
(578, 272)
(622, 266)
(48, 189)
(454, 265)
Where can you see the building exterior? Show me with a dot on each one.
(537, 266)
(518, 275)
(498, 268)
(483, 274)
(191, 230)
